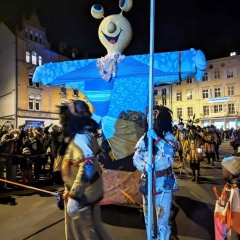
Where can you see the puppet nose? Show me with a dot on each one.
(111, 27)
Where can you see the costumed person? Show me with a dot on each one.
(164, 180)
(190, 152)
(209, 145)
(227, 208)
(81, 174)
(181, 136)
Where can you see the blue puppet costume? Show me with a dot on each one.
(164, 181)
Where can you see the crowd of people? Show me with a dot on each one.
(26, 150)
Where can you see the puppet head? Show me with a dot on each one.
(114, 32)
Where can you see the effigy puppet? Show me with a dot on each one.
(115, 34)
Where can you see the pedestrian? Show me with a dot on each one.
(81, 174)
(164, 180)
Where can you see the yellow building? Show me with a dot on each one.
(21, 100)
(213, 100)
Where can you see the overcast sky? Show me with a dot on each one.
(210, 25)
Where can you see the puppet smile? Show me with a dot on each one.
(111, 39)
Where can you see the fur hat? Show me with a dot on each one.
(79, 109)
(193, 127)
(232, 164)
(55, 127)
(26, 151)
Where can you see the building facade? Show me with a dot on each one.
(21, 100)
(213, 100)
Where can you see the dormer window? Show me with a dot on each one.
(34, 58)
(27, 57)
(74, 52)
(75, 92)
(41, 39)
(31, 35)
(36, 37)
(39, 60)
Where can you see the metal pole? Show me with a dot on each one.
(150, 118)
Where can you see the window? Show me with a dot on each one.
(229, 73)
(206, 110)
(217, 74)
(205, 77)
(164, 102)
(217, 108)
(40, 39)
(155, 92)
(230, 90)
(27, 56)
(38, 103)
(30, 102)
(205, 93)
(34, 102)
(189, 95)
(179, 112)
(63, 90)
(189, 80)
(179, 96)
(30, 83)
(217, 92)
(179, 83)
(164, 96)
(36, 37)
(31, 35)
(75, 92)
(39, 60)
(190, 111)
(34, 58)
(231, 108)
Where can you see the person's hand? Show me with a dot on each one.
(151, 133)
(148, 166)
(60, 201)
(72, 207)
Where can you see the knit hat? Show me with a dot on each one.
(232, 164)
(26, 151)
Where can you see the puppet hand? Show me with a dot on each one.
(151, 133)
(72, 206)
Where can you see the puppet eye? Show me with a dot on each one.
(97, 11)
(125, 5)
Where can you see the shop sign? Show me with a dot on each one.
(222, 99)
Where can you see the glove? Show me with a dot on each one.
(72, 207)
(60, 201)
(151, 133)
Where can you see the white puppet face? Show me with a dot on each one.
(115, 33)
